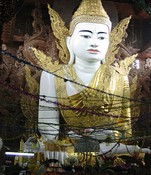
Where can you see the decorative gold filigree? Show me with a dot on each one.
(45, 62)
(96, 107)
(61, 32)
(106, 102)
(85, 8)
(116, 37)
(85, 13)
(124, 65)
(29, 105)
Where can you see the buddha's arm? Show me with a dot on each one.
(48, 115)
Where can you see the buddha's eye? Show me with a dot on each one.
(101, 37)
(86, 36)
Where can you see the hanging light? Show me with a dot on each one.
(19, 154)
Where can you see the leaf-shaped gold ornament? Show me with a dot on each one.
(45, 62)
(124, 65)
(60, 32)
(116, 37)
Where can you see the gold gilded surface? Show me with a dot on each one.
(116, 37)
(28, 104)
(83, 15)
(103, 105)
(124, 66)
(45, 62)
(61, 32)
(90, 11)
(90, 7)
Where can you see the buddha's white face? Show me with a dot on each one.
(90, 41)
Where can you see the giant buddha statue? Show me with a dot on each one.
(87, 95)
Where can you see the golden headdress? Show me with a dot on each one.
(90, 11)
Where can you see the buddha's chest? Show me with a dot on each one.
(99, 85)
(82, 81)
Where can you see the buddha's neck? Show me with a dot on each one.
(86, 67)
(86, 70)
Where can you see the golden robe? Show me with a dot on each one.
(104, 104)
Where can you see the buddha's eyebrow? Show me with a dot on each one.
(102, 33)
(85, 31)
(92, 32)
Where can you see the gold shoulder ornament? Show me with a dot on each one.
(116, 37)
(61, 32)
(123, 67)
(45, 62)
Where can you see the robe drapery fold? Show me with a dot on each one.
(104, 104)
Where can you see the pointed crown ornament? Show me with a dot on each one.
(90, 11)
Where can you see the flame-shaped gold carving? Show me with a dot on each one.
(116, 37)
(124, 65)
(45, 62)
(61, 32)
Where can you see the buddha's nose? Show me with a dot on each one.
(94, 45)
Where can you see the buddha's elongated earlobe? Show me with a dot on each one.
(71, 60)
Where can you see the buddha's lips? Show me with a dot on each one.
(93, 50)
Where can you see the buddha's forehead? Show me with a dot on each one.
(94, 27)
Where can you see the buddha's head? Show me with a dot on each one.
(89, 32)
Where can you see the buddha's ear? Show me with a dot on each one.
(68, 42)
